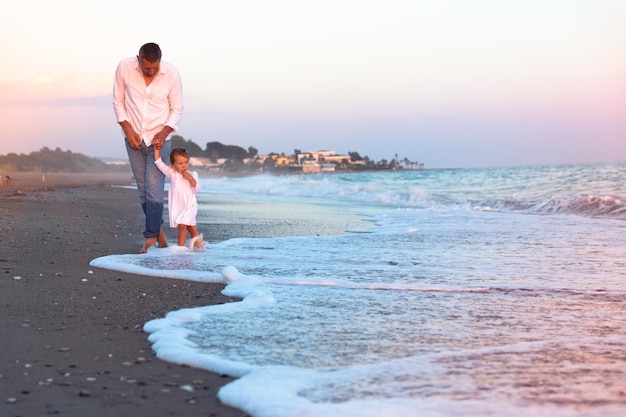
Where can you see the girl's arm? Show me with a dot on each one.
(160, 164)
(192, 177)
(187, 175)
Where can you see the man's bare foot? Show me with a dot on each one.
(162, 239)
(150, 242)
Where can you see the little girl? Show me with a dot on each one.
(182, 203)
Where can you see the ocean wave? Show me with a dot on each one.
(608, 206)
(592, 191)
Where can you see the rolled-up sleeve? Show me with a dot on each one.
(119, 94)
(175, 102)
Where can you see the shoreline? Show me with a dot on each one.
(72, 335)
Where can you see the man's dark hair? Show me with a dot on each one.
(150, 52)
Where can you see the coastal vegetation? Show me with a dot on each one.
(235, 159)
(215, 157)
(57, 160)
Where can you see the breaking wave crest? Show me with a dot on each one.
(608, 206)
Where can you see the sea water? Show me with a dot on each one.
(470, 292)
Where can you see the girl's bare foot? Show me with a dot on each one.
(196, 242)
(150, 242)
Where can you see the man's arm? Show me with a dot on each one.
(133, 138)
(175, 100)
(119, 107)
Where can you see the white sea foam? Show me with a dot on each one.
(439, 309)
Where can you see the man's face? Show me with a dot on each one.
(148, 68)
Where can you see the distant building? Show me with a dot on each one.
(285, 160)
(206, 163)
(113, 161)
(116, 162)
(322, 156)
(311, 167)
(328, 167)
(311, 162)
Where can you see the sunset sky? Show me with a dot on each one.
(450, 83)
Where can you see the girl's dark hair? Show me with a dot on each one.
(151, 52)
(178, 152)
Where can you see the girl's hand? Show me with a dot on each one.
(158, 140)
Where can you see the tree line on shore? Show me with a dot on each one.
(237, 159)
(57, 160)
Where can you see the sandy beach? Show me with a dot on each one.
(71, 335)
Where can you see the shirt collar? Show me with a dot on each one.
(162, 69)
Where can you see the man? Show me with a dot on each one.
(148, 104)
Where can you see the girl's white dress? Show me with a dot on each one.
(181, 197)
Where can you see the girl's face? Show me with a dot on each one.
(181, 164)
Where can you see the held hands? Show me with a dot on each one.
(159, 139)
(134, 139)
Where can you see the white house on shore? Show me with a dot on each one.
(311, 162)
(321, 156)
(206, 163)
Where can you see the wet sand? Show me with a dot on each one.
(71, 337)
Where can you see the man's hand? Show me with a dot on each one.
(159, 139)
(133, 138)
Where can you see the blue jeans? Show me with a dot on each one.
(150, 183)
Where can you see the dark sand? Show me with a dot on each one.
(71, 338)
(71, 335)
